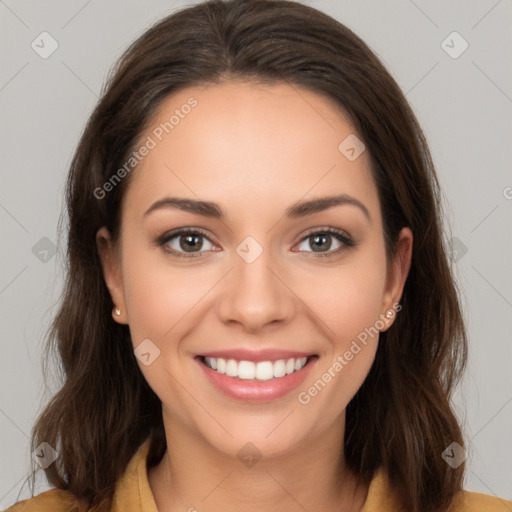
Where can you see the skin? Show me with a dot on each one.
(255, 150)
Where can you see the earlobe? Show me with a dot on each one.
(111, 273)
(397, 276)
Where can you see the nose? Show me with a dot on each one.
(255, 294)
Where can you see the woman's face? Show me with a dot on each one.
(264, 276)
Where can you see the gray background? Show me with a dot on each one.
(464, 105)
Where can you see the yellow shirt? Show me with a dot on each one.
(133, 494)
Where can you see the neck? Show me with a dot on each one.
(194, 475)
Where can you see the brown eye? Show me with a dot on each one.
(190, 242)
(325, 242)
(186, 243)
(320, 242)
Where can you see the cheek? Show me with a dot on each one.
(163, 302)
(350, 305)
(160, 298)
(349, 299)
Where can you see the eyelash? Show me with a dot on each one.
(336, 233)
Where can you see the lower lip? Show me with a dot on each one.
(254, 390)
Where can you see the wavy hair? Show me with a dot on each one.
(401, 418)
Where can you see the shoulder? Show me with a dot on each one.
(131, 489)
(53, 500)
(468, 501)
(382, 497)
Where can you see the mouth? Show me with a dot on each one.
(260, 371)
(256, 378)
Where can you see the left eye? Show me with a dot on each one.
(321, 242)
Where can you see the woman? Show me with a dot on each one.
(259, 313)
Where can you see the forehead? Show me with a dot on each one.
(250, 146)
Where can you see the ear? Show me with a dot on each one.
(111, 264)
(397, 275)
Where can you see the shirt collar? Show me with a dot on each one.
(133, 493)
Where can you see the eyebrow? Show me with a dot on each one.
(296, 210)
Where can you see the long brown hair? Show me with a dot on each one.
(401, 418)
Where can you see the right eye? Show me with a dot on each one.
(184, 243)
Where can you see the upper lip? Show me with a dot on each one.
(241, 354)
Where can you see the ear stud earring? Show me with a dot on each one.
(117, 311)
(389, 313)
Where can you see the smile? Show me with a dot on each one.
(264, 378)
(248, 370)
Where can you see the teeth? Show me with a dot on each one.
(232, 368)
(264, 370)
(221, 365)
(247, 370)
(280, 368)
